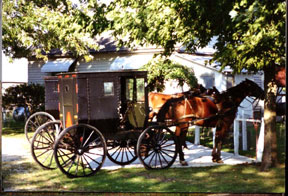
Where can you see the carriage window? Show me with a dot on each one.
(108, 89)
(129, 89)
(140, 83)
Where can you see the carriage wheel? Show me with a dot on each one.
(80, 150)
(34, 121)
(42, 144)
(121, 152)
(156, 147)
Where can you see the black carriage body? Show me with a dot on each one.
(52, 96)
(104, 100)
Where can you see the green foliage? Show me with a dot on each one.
(166, 23)
(250, 34)
(254, 37)
(162, 69)
(34, 27)
(32, 96)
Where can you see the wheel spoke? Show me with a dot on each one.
(130, 152)
(77, 165)
(119, 148)
(88, 139)
(159, 159)
(152, 157)
(167, 154)
(88, 164)
(156, 158)
(43, 153)
(168, 150)
(83, 165)
(163, 157)
(167, 145)
(47, 139)
(91, 159)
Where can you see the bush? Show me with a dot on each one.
(30, 96)
(162, 69)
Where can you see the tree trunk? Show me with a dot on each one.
(269, 158)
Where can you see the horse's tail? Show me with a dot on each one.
(165, 107)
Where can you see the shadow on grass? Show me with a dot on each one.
(27, 176)
(11, 127)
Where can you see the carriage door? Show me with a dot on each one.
(68, 100)
(135, 98)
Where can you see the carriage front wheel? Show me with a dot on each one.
(34, 122)
(156, 147)
(80, 150)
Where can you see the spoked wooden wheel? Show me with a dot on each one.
(122, 152)
(156, 147)
(35, 121)
(42, 144)
(80, 150)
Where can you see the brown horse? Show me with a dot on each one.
(218, 111)
(157, 100)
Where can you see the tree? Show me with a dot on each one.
(36, 27)
(162, 69)
(28, 96)
(254, 40)
(250, 34)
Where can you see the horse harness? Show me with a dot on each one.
(220, 114)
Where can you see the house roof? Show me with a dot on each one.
(57, 65)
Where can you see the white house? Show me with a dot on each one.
(111, 58)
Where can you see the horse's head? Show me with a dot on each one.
(252, 89)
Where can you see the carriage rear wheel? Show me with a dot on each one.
(35, 121)
(156, 147)
(122, 152)
(42, 144)
(80, 150)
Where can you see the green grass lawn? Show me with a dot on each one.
(26, 175)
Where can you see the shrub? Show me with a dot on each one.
(30, 96)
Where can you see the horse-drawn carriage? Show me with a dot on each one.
(106, 114)
(98, 114)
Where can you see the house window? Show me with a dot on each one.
(208, 80)
(108, 89)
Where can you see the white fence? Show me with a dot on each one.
(240, 119)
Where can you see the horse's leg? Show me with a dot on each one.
(216, 152)
(179, 139)
(183, 135)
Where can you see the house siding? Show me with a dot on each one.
(202, 73)
(34, 72)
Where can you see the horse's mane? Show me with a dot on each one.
(234, 90)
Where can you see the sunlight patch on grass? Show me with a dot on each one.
(201, 174)
(249, 170)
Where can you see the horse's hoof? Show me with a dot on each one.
(183, 163)
(220, 161)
